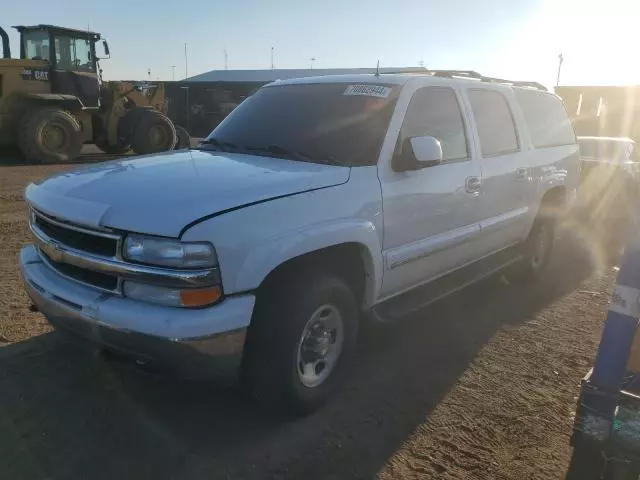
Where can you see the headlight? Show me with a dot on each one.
(169, 253)
(172, 297)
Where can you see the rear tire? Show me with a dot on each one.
(184, 140)
(537, 250)
(153, 133)
(290, 361)
(50, 135)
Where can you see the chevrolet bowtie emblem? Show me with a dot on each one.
(55, 252)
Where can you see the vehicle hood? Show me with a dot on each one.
(161, 194)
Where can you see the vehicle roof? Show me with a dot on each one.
(41, 26)
(355, 78)
(394, 79)
(607, 139)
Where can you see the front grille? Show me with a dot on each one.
(97, 279)
(77, 239)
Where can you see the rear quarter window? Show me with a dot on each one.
(546, 118)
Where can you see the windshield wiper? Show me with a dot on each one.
(275, 149)
(222, 146)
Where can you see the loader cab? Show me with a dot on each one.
(6, 48)
(73, 68)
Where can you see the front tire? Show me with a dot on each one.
(301, 340)
(153, 133)
(50, 135)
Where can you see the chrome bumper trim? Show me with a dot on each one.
(209, 340)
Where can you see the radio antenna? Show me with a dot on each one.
(378, 69)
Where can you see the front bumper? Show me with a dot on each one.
(207, 341)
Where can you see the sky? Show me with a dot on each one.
(514, 39)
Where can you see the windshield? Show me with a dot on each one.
(314, 122)
(73, 53)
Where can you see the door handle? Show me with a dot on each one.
(472, 184)
(522, 172)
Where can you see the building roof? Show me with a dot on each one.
(265, 76)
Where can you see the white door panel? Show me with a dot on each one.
(506, 197)
(506, 173)
(431, 215)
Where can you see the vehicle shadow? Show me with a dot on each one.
(64, 414)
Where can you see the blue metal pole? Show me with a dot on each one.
(610, 367)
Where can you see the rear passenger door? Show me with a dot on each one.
(506, 185)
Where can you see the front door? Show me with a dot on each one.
(430, 215)
(74, 70)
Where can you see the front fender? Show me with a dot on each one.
(263, 260)
(254, 240)
(67, 102)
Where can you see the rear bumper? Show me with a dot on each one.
(199, 342)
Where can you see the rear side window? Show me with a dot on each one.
(546, 118)
(435, 111)
(494, 122)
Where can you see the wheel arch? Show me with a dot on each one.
(30, 101)
(553, 202)
(350, 260)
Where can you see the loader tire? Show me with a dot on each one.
(153, 133)
(184, 140)
(50, 135)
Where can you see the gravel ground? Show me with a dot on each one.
(480, 385)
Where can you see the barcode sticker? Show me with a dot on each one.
(368, 90)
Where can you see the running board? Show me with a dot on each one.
(404, 304)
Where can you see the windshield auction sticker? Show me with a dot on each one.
(368, 90)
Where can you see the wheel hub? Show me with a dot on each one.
(54, 138)
(157, 136)
(320, 346)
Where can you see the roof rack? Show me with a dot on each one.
(417, 70)
(482, 78)
(470, 74)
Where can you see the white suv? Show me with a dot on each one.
(316, 201)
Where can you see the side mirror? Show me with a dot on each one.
(418, 153)
(105, 45)
(426, 150)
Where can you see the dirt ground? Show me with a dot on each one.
(480, 385)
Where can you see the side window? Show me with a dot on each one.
(36, 45)
(494, 122)
(546, 118)
(435, 111)
(73, 54)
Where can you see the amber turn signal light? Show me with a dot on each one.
(200, 297)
